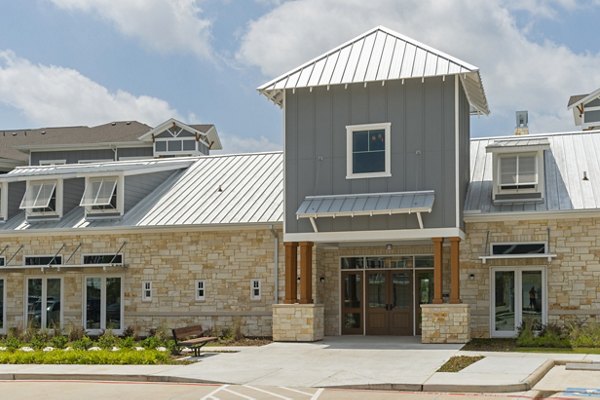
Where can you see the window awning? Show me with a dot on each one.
(368, 204)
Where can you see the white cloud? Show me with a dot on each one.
(517, 72)
(233, 144)
(165, 25)
(51, 95)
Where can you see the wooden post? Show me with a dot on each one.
(454, 270)
(437, 270)
(291, 272)
(306, 272)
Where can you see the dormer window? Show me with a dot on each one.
(176, 141)
(518, 165)
(101, 197)
(42, 199)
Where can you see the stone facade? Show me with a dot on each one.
(298, 322)
(446, 323)
(227, 260)
(572, 276)
(328, 267)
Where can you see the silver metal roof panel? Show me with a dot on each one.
(379, 54)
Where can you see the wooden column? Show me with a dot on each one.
(306, 272)
(291, 272)
(454, 270)
(437, 270)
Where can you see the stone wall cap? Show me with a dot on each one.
(445, 305)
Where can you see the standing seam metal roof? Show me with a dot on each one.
(379, 54)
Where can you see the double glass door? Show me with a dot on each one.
(389, 303)
(518, 296)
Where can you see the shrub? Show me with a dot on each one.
(39, 339)
(587, 335)
(108, 340)
(59, 341)
(12, 342)
(551, 335)
(82, 344)
(128, 342)
(121, 357)
(75, 333)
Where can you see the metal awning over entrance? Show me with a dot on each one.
(368, 204)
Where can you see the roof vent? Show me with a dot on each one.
(522, 121)
(113, 123)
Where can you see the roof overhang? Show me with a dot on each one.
(582, 99)
(78, 146)
(211, 136)
(513, 145)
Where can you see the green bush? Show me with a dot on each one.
(82, 344)
(108, 340)
(12, 342)
(121, 357)
(549, 336)
(59, 341)
(585, 335)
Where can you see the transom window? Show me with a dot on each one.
(518, 171)
(102, 259)
(368, 150)
(518, 248)
(40, 198)
(43, 260)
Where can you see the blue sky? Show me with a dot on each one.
(87, 62)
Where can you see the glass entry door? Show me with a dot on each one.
(517, 296)
(352, 303)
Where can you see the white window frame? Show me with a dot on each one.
(254, 296)
(103, 279)
(102, 254)
(3, 328)
(52, 162)
(197, 290)
(33, 212)
(146, 291)
(538, 188)
(518, 300)
(350, 129)
(44, 299)
(587, 125)
(100, 160)
(545, 243)
(91, 213)
(2, 261)
(58, 257)
(3, 201)
(535, 182)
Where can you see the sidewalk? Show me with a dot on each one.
(350, 362)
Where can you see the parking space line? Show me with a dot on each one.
(317, 394)
(238, 394)
(296, 391)
(211, 396)
(269, 393)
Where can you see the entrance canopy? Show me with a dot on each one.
(368, 204)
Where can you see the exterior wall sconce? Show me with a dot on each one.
(322, 279)
(471, 277)
(388, 247)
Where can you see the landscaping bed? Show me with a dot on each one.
(458, 363)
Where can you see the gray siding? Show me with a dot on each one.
(593, 103)
(74, 156)
(72, 193)
(135, 152)
(16, 191)
(465, 152)
(422, 153)
(139, 186)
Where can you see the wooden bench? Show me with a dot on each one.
(192, 337)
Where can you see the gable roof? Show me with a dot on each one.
(582, 98)
(571, 156)
(379, 54)
(209, 131)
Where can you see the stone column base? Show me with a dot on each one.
(445, 323)
(298, 322)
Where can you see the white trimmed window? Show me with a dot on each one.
(42, 199)
(255, 289)
(200, 287)
(53, 162)
(102, 196)
(517, 171)
(368, 151)
(102, 259)
(147, 291)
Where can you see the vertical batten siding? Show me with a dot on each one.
(72, 156)
(72, 193)
(16, 191)
(422, 148)
(135, 152)
(139, 186)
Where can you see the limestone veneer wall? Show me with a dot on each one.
(226, 259)
(573, 276)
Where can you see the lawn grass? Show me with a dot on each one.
(458, 363)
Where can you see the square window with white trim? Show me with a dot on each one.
(368, 151)
(101, 196)
(42, 199)
(200, 288)
(147, 291)
(518, 171)
(255, 289)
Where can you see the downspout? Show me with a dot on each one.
(276, 264)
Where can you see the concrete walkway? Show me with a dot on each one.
(357, 362)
